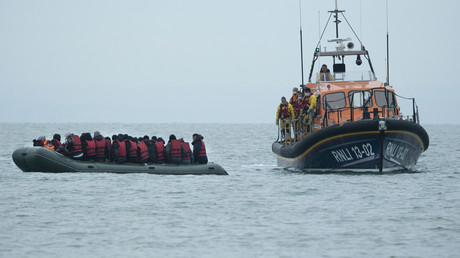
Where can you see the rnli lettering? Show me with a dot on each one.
(345, 154)
(396, 151)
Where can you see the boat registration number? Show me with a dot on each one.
(353, 153)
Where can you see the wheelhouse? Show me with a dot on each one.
(349, 103)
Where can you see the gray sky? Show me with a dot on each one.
(206, 60)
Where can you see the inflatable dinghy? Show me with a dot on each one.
(39, 159)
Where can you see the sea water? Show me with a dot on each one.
(259, 210)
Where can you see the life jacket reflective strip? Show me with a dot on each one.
(121, 148)
(143, 152)
(133, 149)
(188, 151)
(284, 111)
(90, 148)
(160, 151)
(100, 147)
(176, 149)
(202, 152)
(45, 144)
(76, 146)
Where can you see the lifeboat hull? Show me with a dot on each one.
(360, 146)
(39, 159)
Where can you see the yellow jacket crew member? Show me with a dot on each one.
(309, 107)
(295, 95)
(325, 74)
(285, 113)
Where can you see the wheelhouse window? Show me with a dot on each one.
(359, 99)
(384, 98)
(334, 100)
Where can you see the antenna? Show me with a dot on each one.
(360, 21)
(388, 51)
(301, 44)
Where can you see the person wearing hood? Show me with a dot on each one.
(102, 147)
(118, 149)
(88, 146)
(199, 149)
(174, 150)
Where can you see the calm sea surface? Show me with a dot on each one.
(258, 210)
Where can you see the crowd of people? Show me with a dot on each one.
(298, 113)
(123, 148)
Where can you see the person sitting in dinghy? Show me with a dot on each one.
(72, 146)
(285, 113)
(40, 141)
(199, 149)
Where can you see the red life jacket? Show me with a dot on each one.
(121, 148)
(90, 148)
(176, 149)
(133, 149)
(76, 145)
(284, 111)
(202, 152)
(188, 151)
(306, 102)
(160, 151)
(100, 147)
(143, 152)
(58, 142)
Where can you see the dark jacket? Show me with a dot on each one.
(198, 155)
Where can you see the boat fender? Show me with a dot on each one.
(382, 125)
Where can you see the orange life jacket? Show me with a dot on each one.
(45, 144)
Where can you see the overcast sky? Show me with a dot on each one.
(207, 61)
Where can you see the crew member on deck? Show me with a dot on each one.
(309, 109)
(325, 74)
(297, 106)
(295, 95)
(285, 113)
(199, 149)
